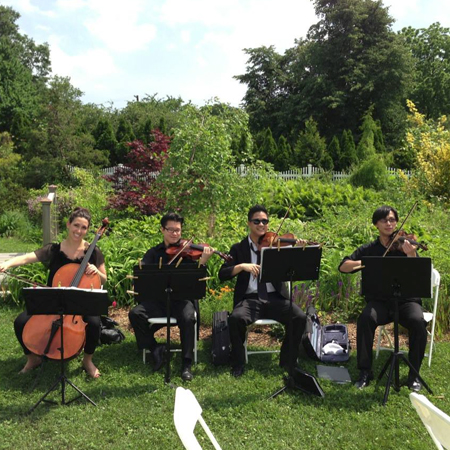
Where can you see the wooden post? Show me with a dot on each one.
(46, 222)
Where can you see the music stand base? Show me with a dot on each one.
(63, 380)
(393, 364)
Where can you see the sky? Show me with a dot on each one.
(115, 50)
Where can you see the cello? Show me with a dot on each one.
(41, 334)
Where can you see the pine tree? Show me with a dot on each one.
(334, 151)
(348, 150)
(310, 146)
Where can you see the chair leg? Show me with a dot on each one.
(245, 347)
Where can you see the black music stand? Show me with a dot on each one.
(292, 264)
(65, 301)
(169, 283)
(396, 278)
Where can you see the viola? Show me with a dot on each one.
(271, 239)
(39, 334)
(399, 237)
(186, 249)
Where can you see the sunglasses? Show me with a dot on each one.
(258, 221)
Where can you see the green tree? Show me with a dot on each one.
(105, 139)
(24, 71)
(145, 134)
(430, 48)
(334, 151)
(267, 147)
(310, 146)
(283, 157)
(348, 150)
(124, 135)
(199, 174)
(366, 148)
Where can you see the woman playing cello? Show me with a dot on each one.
(54, 256)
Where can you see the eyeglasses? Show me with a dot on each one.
(258, 221)
(390, 220)
(173, 230)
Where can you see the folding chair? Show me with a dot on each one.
(259, 322)
(186, 414)
(436, 421)
(173, 321)
(427, 316)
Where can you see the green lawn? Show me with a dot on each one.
(135, 407)
(14, 245)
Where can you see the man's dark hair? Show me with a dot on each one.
(171, 216)
(256, 209)
(382, 212)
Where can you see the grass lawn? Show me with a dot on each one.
(135, 407)
(14, 245)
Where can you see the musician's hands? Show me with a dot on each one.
(301, 243)
(206, 254)
(253, 269)
(409, 249)
(91, 269)
(3, 266)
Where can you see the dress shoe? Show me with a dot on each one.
(364, 379)
(238, 371)
(158, 357)
(186, 374)
(414, 384)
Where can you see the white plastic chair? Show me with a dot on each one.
(173, 321)
(259, 322)
(436, 421)
(427, 316)
(186, 414)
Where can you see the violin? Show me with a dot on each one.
(399, 237)
(186, 249)
(271, 238)
(40, 335)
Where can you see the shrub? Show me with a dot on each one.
(370, 174)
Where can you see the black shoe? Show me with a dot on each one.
(364, 379)
(238, 371)
(415, 385)
(158, 357)
(186, 374)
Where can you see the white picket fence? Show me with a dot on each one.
(294, 174)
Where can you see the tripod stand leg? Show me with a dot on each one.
(425, 385)
(389, 380)
(52, 388)
(82, 394)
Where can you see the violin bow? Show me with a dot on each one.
(186, 244)
(282, 220)
(24, 280)
(413, 207)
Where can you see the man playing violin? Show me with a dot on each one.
(54, 256)
(253, 300)
(183, 310)
(378, 312)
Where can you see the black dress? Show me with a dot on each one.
(53, 259)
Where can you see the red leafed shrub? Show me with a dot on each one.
(134, 183)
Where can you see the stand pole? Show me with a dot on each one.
(393, 362)
(289, 380)
(61, 379)
(168, 291)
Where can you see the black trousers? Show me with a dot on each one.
(381, 313)
(276, 308)
(182, 310)
(92, 332)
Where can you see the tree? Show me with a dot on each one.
(267, 147)
(366, 148)
(134, 183)
(199, 174)
(430, 48)
(124, 135)
(283, 158)
(310, 146)
(334, 151)
(105, 139)
(24, 71)
(348, 150)
(430, 141)
(351, 59)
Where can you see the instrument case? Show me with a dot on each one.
(316, 338)
(221, 345)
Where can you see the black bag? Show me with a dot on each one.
(221, 346)
(327, 343)
(109, 334)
